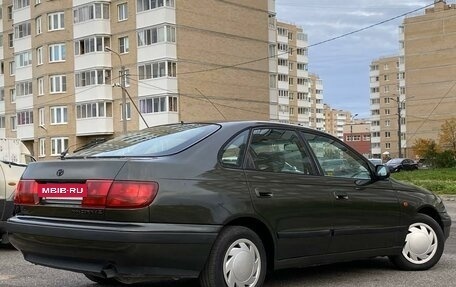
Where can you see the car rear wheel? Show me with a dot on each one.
(101, 280)
(237, 259)
(423, 245)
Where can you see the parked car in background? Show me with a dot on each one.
(224, 202)
(398, 164)
(14, 157)
(376, 161)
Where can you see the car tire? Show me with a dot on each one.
(101, 280)
(423, 245)
(237, 258)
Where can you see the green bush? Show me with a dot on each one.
(445, 159)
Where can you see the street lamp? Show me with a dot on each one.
(123, 78)
(351, 125)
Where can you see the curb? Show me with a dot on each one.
(448, 197)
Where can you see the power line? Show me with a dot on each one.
(318, 43)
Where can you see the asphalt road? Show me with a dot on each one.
(16, 272)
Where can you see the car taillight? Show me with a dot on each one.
(119, 194)
(100, 193)
(26, 193)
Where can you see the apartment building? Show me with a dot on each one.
(386, 98)
(71, 71)
(427, 42)
(335, 120)
(293, 90)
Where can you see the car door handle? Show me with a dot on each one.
(260, 193)
(340, 196)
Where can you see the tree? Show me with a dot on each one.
(425, 148)
(447, 136)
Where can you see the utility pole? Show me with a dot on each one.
(399, 132)
(123, 79)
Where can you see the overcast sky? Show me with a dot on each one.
(343, 64)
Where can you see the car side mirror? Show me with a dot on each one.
(382, 172)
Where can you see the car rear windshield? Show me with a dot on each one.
(154, 141)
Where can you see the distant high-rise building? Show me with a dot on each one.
(71, 69)
(335, 120)
(296, 96)
(385, 95)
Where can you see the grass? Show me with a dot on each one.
(440, 181)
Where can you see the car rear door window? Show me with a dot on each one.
(278, 150)
(232, 154)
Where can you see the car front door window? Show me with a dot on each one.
(335, 159)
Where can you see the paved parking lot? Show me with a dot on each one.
(15, 272)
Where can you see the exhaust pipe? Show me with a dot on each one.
(109, 272)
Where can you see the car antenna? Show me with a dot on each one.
(215, 107)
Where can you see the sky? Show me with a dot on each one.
(343, 64)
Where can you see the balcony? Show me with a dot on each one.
(24, 102)
(92, 27)
(93, 93)
(90, 60)
(157, 51)
(22, 44)
(94, 126)
(25, 132)
(20, 15)
(157, 86)
(156, 119)
(155, 17)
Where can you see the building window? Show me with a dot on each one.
(128, 111)
(39, 55)
(387, 134)
(11, 40)
(24, 118)
(154, 35)
(387, 123)
(10, 12)
(18, 4)
(40, 82)
(273, 81)
(13, 95)
(58, 145)
(122, 12)
(56, 21)
(2, 122)
(37, 2)
(59, 115)
(12, 68)
(157, 70)
(123, 45)
(23, 59)
(94, 77)
(24, 88)
(94, 110)
(22, 30)
(387, 112)
(13, 123)
(57, 53)
(158, 105)
(42, 152)
(57, 84)
(387, 145)
(2, 94)
(41, 117)
(144, 5)
(91, 45)
(91, 12)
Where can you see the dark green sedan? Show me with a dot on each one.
(225, 202)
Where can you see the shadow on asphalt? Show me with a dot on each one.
(296, 274)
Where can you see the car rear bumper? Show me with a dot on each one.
(114, 249)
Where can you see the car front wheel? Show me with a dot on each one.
(237, 259)
(423, 245)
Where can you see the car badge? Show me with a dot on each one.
(60, 172)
